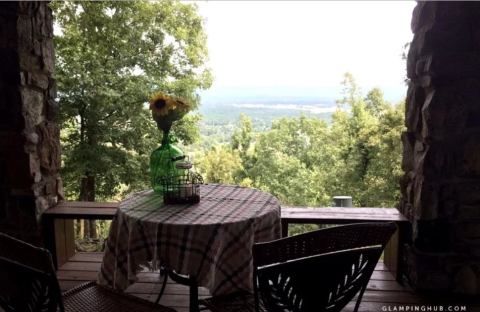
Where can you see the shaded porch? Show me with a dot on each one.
(383, 292)
(440, 188)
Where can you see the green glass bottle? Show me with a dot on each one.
(161, 164)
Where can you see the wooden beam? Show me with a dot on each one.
(69, 238)
(62, 245)
(393, 252)
(60, 242)
(49, 238)
(338, 215)
(82, 210)
(58, 225)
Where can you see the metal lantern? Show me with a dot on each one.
(183, 186)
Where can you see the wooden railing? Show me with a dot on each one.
(393, 254)
(58, 229)
(59, 236)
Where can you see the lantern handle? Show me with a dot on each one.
(178, 157)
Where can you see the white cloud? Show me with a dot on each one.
(312, 43)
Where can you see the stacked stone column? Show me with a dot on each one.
(441, 157)
(29, 130)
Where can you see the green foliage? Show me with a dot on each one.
(110, 58)
(375, 104)
(218, 126)
(219, 165)
(305, 161)
(371, 151)
(113, 55)
(406, 48)
(241, 140)
(295, 229)
(285, 159)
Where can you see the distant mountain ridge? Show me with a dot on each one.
(289, 95)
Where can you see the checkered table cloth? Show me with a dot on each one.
(211, 241)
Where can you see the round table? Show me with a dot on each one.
(210, 241)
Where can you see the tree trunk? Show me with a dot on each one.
(86, 228)
(93, 228)
(78, 228)
(87, 193)
(82, 230)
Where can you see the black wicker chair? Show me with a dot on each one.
(28, 283)
(317, 271)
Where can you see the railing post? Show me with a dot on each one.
(284, 228)
(342, 201)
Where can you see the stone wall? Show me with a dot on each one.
(441, 160)
(29, 130)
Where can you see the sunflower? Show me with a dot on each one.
(181, 104)
(160, 104)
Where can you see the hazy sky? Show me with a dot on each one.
(308, 43)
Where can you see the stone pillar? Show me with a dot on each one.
(441, 148)
(29, 130)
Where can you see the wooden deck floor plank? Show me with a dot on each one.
(87, 257)
(77, 275)
(173, 301)
(89, 271)
(377, 282)
(382, 276)
(148, 288)
(145, 287)
(90, 266)
(391, 297)
(146, 277)
(382, 291)
(381, 266)
(378, 285)
(97, 257)
(92, 261)
(80, 266)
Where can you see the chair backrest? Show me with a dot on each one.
(321, 270)
(322, 241)
(26, 254)
(28, 280)
(26, 289)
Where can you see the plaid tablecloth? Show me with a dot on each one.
(211, 241)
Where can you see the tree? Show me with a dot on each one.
(368, 134)
(404, 56)
(241, 142)
(374, 102)
(384, 173)
(110, 57)
(241, 139)
(305, 162)
(288, 161)
(219, 165)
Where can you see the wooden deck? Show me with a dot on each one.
(383, 292)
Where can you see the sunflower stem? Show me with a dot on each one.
(165, 136)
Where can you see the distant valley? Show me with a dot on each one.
(289, 94)
(221, 107)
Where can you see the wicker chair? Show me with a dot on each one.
(317, 271)
(28, 283)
